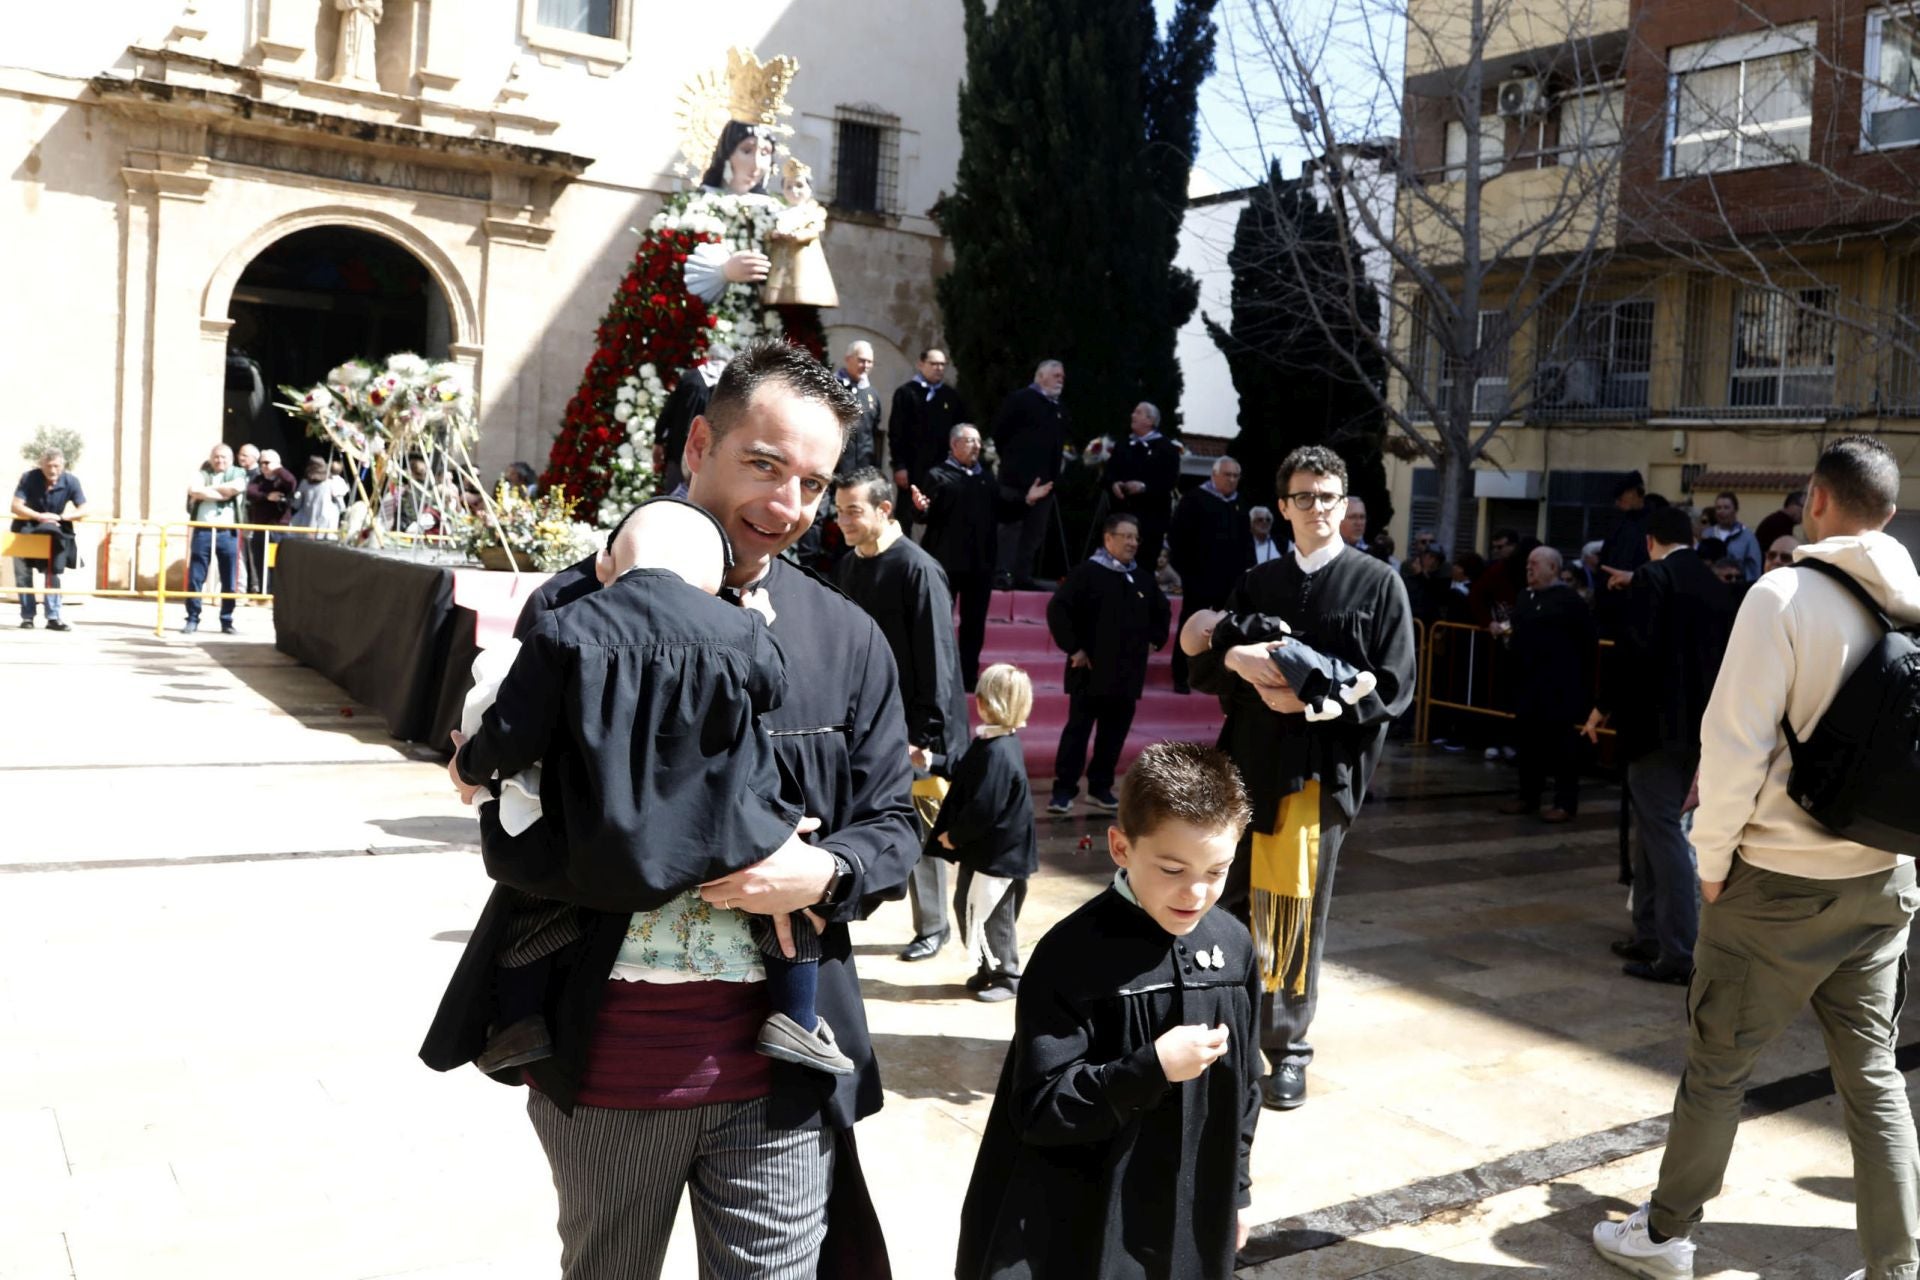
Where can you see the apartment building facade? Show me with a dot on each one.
(1699, 256)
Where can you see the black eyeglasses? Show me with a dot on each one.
(1308, 501)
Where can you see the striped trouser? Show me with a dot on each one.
(759, 1195)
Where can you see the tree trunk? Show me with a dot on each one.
(1456, 525)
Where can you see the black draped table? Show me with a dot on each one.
(397, 633)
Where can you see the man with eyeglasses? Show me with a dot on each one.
(1306, 780)
(1780, 552)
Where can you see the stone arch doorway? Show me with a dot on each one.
(310, 300)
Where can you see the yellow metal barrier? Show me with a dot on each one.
(38, 546)
(1428, 660)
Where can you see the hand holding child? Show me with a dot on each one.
(1187, 1051)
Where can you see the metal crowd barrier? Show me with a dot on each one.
(1479, 673)
(39, 546)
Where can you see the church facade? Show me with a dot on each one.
(242, 193)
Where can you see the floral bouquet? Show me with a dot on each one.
(519, 532)
(1098, 450)
(375, 413)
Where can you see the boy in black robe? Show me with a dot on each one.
(1119, 1142)
(672, 751)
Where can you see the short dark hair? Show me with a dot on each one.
(1117, 519)
(522, 472)
(1504, 534)
(868, 482)
(1183, 781)
(1670, 527)
(1632, 482)
(1711, 549)
(1861, 475)
(930, 350)
(1798, 498)
(1314, 459)
(777, 363)
(1730, 496)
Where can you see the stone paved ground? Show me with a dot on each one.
(227, 907)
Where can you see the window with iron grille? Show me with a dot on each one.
(866, 160)
(1782, 348)
(1602, 358)
(1490, 383)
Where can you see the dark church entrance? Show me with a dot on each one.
(309, 302)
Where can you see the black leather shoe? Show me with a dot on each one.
(1285, 1089)
(1646, 972)
(54, 624)
(1634, 949)
(925, 947)
(228, 629)
(26, 624)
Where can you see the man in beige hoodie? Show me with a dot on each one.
(1796, 915)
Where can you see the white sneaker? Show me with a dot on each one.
(1628, 1246)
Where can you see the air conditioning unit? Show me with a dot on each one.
(1571, 384)
(1522, 96)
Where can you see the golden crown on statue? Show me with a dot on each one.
(746, 89)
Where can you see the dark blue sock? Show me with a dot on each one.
(791, 987)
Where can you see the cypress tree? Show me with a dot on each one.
(1077, 126)
(1295, 388)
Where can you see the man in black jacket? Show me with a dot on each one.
(759, 460)
(1029, 433)
(1306, 780)
(866, 441)
(1140, 478)
(961, 500)
(904, 590)
(1624, 551)
(924, 412)
(1104, 617)
(1553, 643)
(1679, 618)
(1208, 546)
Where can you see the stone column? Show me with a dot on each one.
(516, 269)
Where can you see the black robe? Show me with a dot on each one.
(1091, 1164)
(839, 734)
(1554, 645)
(963, 516)
(1156, 464)
(1116, 617)
(866, 439)
(905, 591)
(989, 812)
(1029, 433)
(1354, 608)
(1209, 546)
(577, 581)
(919, 424)
(640, 702)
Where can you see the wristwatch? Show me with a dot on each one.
(838, 883)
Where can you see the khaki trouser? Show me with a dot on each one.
(1771, 945)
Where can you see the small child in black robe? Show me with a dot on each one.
(986, 826)
(1316, 678)
(1119, 1142)
(634, 709)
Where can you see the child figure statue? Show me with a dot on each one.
(798, 275)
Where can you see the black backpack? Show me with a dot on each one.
(1858, 775)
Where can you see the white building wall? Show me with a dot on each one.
(134, 377)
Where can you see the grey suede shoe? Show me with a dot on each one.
(783, 1038)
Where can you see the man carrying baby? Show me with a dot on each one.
(1306, 779)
